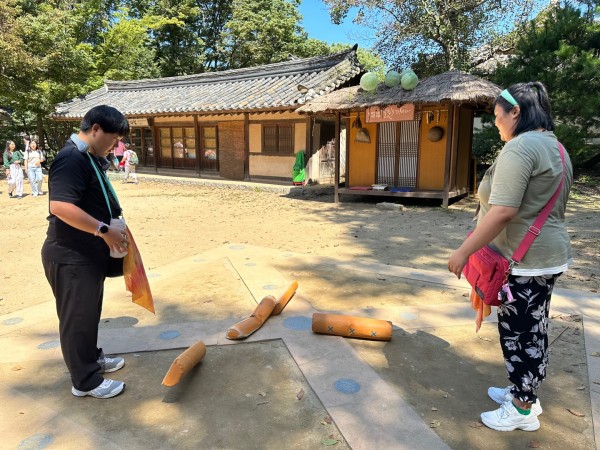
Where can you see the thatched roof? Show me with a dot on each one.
(453, 87)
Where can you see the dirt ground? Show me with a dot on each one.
(171, 221)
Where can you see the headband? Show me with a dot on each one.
(508, 97)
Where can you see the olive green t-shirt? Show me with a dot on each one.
(525, 175)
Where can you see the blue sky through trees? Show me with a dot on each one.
(317, 23)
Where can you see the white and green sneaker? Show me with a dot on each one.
(507, 418)
(503, 395)
(107, 389)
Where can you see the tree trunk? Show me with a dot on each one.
(40, 131)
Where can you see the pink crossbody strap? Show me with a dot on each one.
(536, 228)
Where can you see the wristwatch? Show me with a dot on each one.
(102, 228)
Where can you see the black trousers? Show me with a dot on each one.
(78, 290)
(523, 327)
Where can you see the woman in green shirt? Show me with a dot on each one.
(13, 160)
(526, 173)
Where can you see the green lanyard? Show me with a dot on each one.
(112, 191)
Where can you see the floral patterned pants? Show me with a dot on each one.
(523, 327)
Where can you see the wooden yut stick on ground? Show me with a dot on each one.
(184, 363)
(351, 326)
(284, 299)
(268, 306)
(246, 327)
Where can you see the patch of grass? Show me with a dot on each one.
(588, 180)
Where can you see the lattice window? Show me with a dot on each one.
(278, 138)
(270, 138)
(397, 152)
(286, 139)
(386, 150)
(408, 150)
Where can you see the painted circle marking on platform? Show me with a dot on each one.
(409, 316)
(237, 247)
(250, 264)
(48, 345)
(347, 386)
(13, 321)
(269, 287)
(170, 334)
(153, 275)
(36, 442)
(298, 323)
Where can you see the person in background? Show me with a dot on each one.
(76, 252)
(13, 161)
(26, 142)
(118, 152)
(525, 175)
(33, 168)
(129, 164)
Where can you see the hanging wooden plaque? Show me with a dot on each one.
(392, 113)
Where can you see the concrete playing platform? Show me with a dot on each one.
(198, 298)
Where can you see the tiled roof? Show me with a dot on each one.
(287, 84)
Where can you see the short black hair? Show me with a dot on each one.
(108, 118)
(534, 106)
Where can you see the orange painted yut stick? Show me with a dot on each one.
(246, 327)
(184, 363)
(284, 299)
(352, 327)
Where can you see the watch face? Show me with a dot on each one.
(104, 229)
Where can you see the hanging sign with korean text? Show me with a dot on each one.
(143, 122)
(391, 113)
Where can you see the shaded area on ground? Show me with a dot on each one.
(239, 396)
(444, 373)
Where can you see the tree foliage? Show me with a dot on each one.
(55, 50)
(561, 48)
(445, 31)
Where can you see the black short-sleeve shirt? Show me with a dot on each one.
(72, 179)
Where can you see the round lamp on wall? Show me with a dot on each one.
(435, 134)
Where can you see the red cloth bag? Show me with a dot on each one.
(486, 271)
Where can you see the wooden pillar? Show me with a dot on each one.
(454, 158)
(155, 140)
(474, 186)
(198, 137)
(449, 144)
(309, 145)
(336, 178)
(347, 177)
(246, 146)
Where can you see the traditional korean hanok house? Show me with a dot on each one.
(406, 143)
(236, 124)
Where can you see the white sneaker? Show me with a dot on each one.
(107, 389)
(503, 395)
(108, 365)
(507, 418)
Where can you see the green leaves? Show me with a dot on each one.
(561, 48)
(412, 30)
